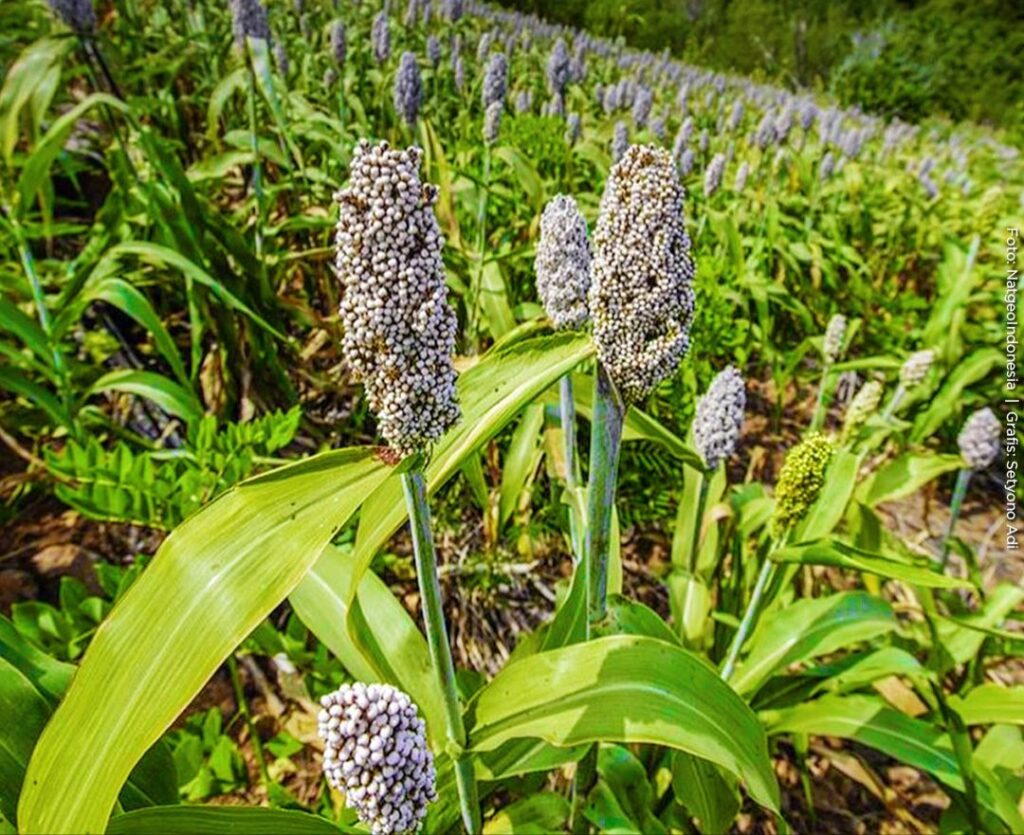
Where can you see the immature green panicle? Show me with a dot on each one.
(800, 480)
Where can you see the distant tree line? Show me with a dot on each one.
(907, 58)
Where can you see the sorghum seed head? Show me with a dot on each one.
(864, 404)
(399, 330)
(433, 51)
(380, 35)
(800, 480)
(78, 15)
(719, 416)
(249, 20)
(492, 122)
(408, 93)
(979, 439)
(835, 336)
(641, 293)
(338, 41)
(558, 67)
(713, 175)
(573, 129)
(741, 177)
(495, 79)
(562, 263)
(620, 141)
(916, 367)
(376, 752)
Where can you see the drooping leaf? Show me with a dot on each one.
(221, 820)
(538, 814)
(211, 582)
(905, 475)
(839, 554)
(624, 689)
(491, 393)
(990, 704)
(379, 641)
(810, 627)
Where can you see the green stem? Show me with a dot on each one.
(749, 617)
(481, 237)
(955, 506)
(567, 416)
(582, 783)
(437, 640)
(257, 168)
(605, 438)
(243, 708)
(567, 412)
(702, 500)
(819, 406)
(894, 403)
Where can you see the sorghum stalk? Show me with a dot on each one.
(437, 641)
(956, 503)
(605, 439)
(702, 500)
(753, 608)
(798, 487)
(257, 165)
(481, 237)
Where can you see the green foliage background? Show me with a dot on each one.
(960, 59)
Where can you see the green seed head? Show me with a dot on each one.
(800, 480)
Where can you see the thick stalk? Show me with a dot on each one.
(897, 396)
(583, 782)
(605, 438)
(437, 640)
(819, 406)
(749, 617)
(257, 168)
(963, 478)
(702, 500)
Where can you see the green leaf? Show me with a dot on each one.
(990, 704)
(828, 510)
(220, 820)
(18, 383)
(494, 300)
(538, 814)
(808, 628)
(165, 257)
(125, 297)
(491, 393)
(625, 689)
(709, 793)
(962, 639)
(21, 80)
(869, 721)
(905, 475)
(168, 395)
(387, 646)
(884, 662)
(521, 458)
(211, 582)
(25, 712)
(949, 400)
(12, 320)
(835, 553)
(45, 151)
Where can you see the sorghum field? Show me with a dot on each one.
(426, 417)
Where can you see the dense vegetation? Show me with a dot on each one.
(894, 58)
(699, 540)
